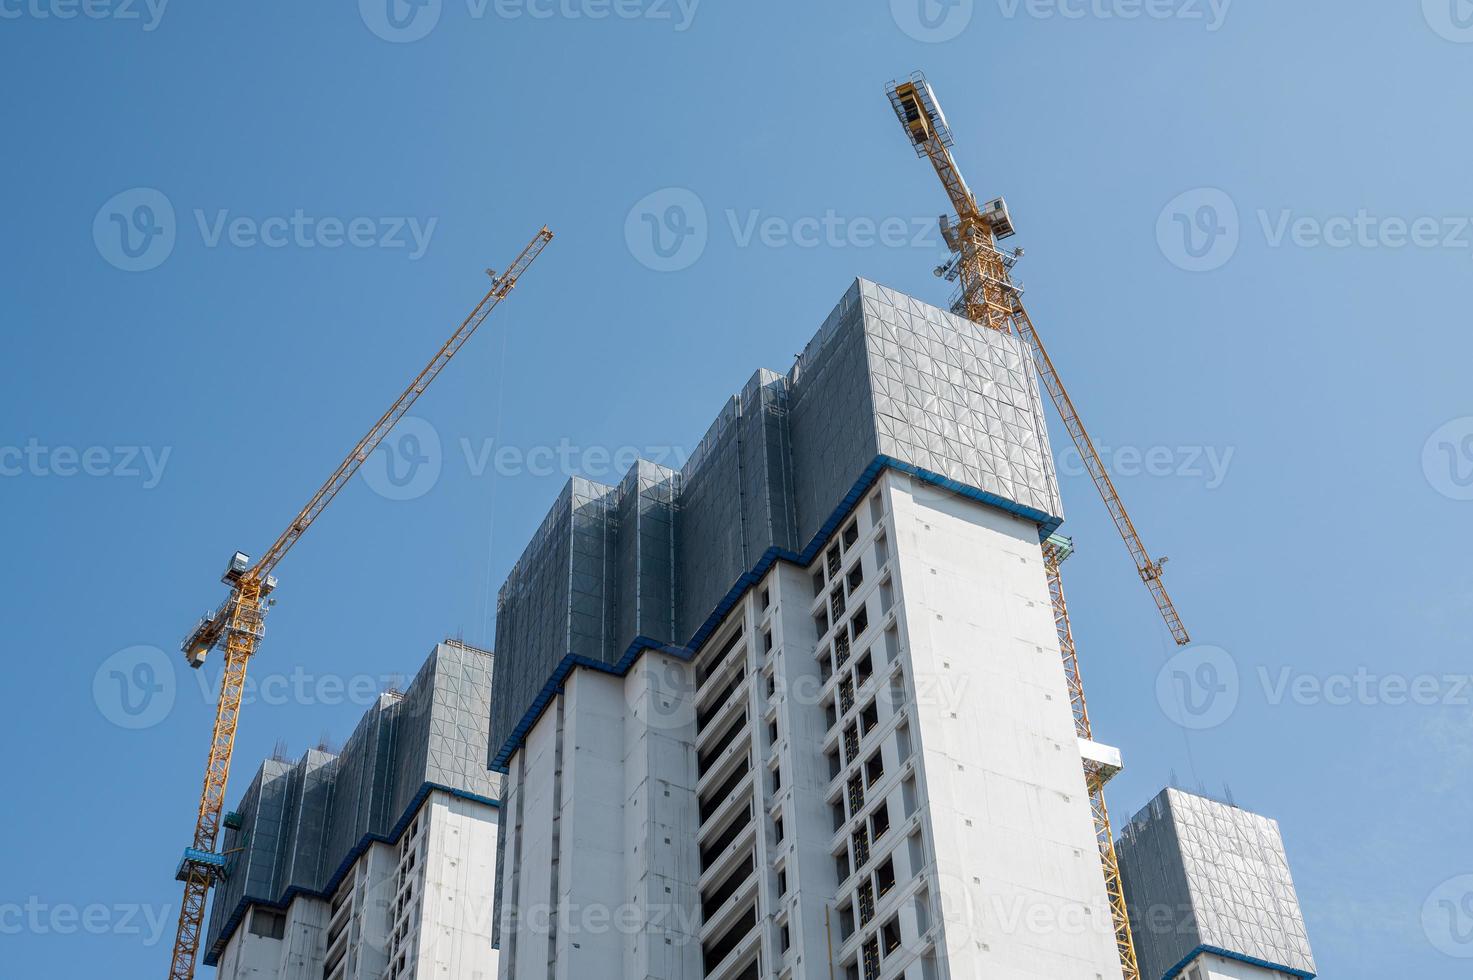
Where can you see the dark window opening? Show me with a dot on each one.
(874, 769)
(890, 936)
(704, 716)
(713, 953)
(712, 801)
(880, 822)
(708, 668)
(721, 841)
(711, 901)
(885, 877)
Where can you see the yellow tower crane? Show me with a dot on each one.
(987, 295)
(239, 622)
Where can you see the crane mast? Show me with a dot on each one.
(239, 622)
(988, 296)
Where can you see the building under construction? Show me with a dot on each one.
(376, 862)
(1210, 893)
(800, 709)
(807, 692)
(807, 708)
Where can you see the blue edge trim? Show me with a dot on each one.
(1047, 523)
(212, 955)
(1241, 958)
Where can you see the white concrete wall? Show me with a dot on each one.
(458, 875)
(249, 957)
(529, 798)
(298, 955)
(619, 818)
(660, 822)
(1210, 966)
(1001, 776)
(374, 887)
(590, 871)
(305, 944)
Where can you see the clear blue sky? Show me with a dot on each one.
(1300, 338)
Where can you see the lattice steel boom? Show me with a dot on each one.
(987, 295)
(240, 622)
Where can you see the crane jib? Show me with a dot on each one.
(239, 623)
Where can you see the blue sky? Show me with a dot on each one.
(1248, 246)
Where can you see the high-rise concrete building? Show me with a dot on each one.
(375, 863)
(797, 710)
(1210, 894)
